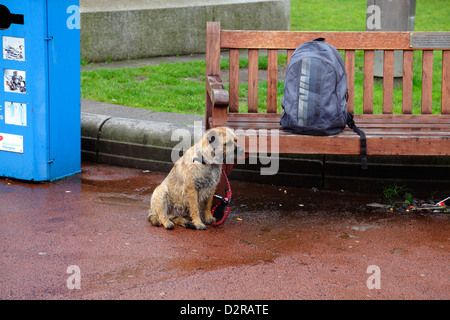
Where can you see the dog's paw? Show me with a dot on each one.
(169, 226)
(189, 225)
(200, 226)
(210, 220)
(154, 220)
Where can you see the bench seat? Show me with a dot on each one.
(386, 135)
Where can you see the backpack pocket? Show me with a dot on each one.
(310, 88)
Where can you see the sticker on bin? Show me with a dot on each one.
(13, 48)
(14, 81)
(11, 142)
(15, 113)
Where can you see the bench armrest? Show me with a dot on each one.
(216, 91)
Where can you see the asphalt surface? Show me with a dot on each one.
(87, 237)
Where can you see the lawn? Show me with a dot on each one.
(180, 87)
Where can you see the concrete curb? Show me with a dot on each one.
(129, 142)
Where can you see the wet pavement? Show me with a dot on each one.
(278, 243)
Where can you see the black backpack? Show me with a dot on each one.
(315, 93)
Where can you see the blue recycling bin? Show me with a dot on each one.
(40, 90)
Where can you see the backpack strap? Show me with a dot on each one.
(362, 135)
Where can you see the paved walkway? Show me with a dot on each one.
(119, 111)
(136, 63)
(91, 231)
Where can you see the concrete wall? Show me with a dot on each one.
(120, 30)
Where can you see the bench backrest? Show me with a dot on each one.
(272, 41)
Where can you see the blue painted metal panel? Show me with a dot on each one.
(40, 90)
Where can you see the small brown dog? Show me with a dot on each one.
(189, 188)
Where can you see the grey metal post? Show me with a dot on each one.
(390, 15)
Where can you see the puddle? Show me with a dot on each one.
(365, 227)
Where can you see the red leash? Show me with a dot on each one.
(221, 210)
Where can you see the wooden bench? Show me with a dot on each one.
(425, 134)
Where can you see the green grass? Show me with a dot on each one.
(180, 87)
(176, 87)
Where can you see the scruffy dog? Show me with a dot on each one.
(189, 188)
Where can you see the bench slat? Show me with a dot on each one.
(359, 118)
(252, 80)
(370, 131)
(234, 80)
(290, 52)
(397, 132)
(388, 128)
(388, 81)
(356, 40)
(391, 132)
(350, 70)
(410, 123)
(427, 81)
(272, 81)
(368, 82)
(349, 144)
(445, 94)
(399, 118)
(350, 134)
(408, 59)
